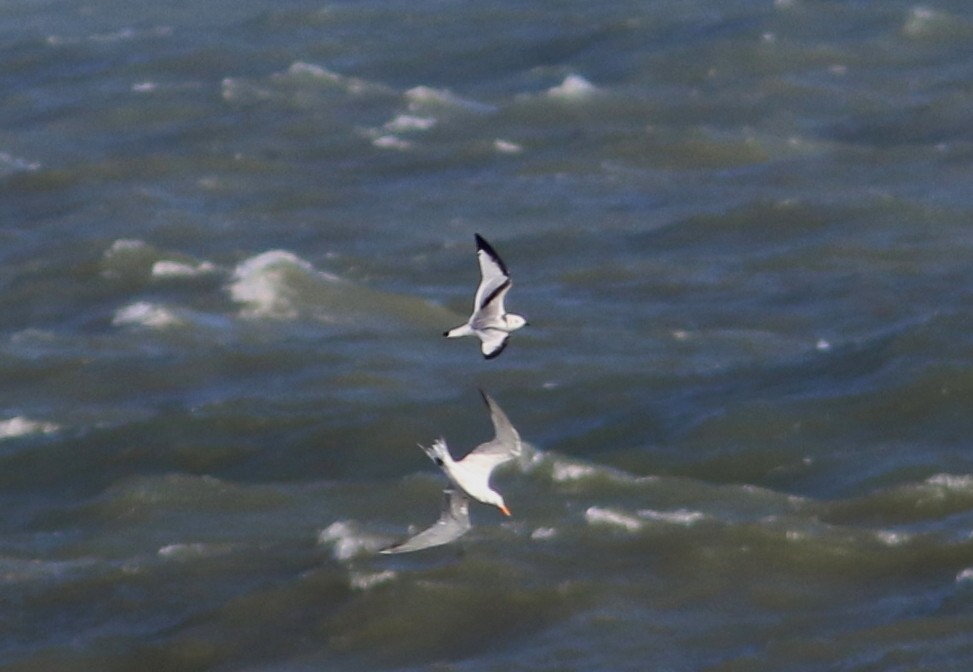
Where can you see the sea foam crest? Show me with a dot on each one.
(178, 269)
(677, 517)
(596, 515)
(951, 481)
(263, 283)
(21, 426)
(573, 87)
(421, 98)
(145, 314)
(347, 542)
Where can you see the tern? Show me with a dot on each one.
(469, 479)
(490, 321)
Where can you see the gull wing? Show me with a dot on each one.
(492, 342)
(505, 445)
(493, 275)
(453, 523)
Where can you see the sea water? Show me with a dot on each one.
(233, 234)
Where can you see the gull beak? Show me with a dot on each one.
(506, 511)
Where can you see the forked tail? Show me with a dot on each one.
(438, 452)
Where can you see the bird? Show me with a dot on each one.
(490, 321)
(469, 479)
(453, 523)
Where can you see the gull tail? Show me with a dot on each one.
(461, 330)
(438, 452)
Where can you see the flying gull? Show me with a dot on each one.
(490, 322)
(469, 479)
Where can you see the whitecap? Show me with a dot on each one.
(677, 517)
(365, 581)
(190, 550)
(507, 147)
(261, 283)
(565, 471)
(573, 87)
(303, 69)
(599, 516)
(951, 481)
(424, 97)
(405, 123)
(169, 269)
(347, 542)
(391, 142)
(965, 575)
(543, 533)
(13, 164)
(145, 314)
(21, 426)
(890, 538)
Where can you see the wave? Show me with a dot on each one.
(280, 285)
(21, 426)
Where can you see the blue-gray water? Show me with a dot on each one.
(233, 232)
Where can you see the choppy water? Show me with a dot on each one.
(234, 232)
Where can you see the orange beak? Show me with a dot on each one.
(506, 511)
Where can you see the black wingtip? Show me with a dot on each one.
(446, 333)
(496, 353)
(482, 244)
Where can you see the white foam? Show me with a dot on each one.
(21, 426)
(677, 517)
(12, 164)
(890, 538)
(543, 533)
(391, 142)
(145, 314)
(423, 97)
(178, 269)
(965, 575)
(347, 542)
(312, 70)
(565, 471)
(191, 550)
(303, 69)
(126, 245)
(261, 283)
(409, 122)
(365, 581)
(573, 87)
(507, 147)
(951, 481)
(599, 516)
(921, 20)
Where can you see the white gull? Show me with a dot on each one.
(490, 321)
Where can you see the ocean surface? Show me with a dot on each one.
(233, 233)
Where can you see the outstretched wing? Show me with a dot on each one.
(453, 523)
(505, 445)
(492, 342)
(493, 276)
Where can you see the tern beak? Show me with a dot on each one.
(506, 511)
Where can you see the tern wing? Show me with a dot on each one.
(453, 523)
(505, 445)
(493, 275)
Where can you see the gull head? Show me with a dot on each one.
(514, 322)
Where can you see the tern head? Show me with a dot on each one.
(514, 321)
(495, 499)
